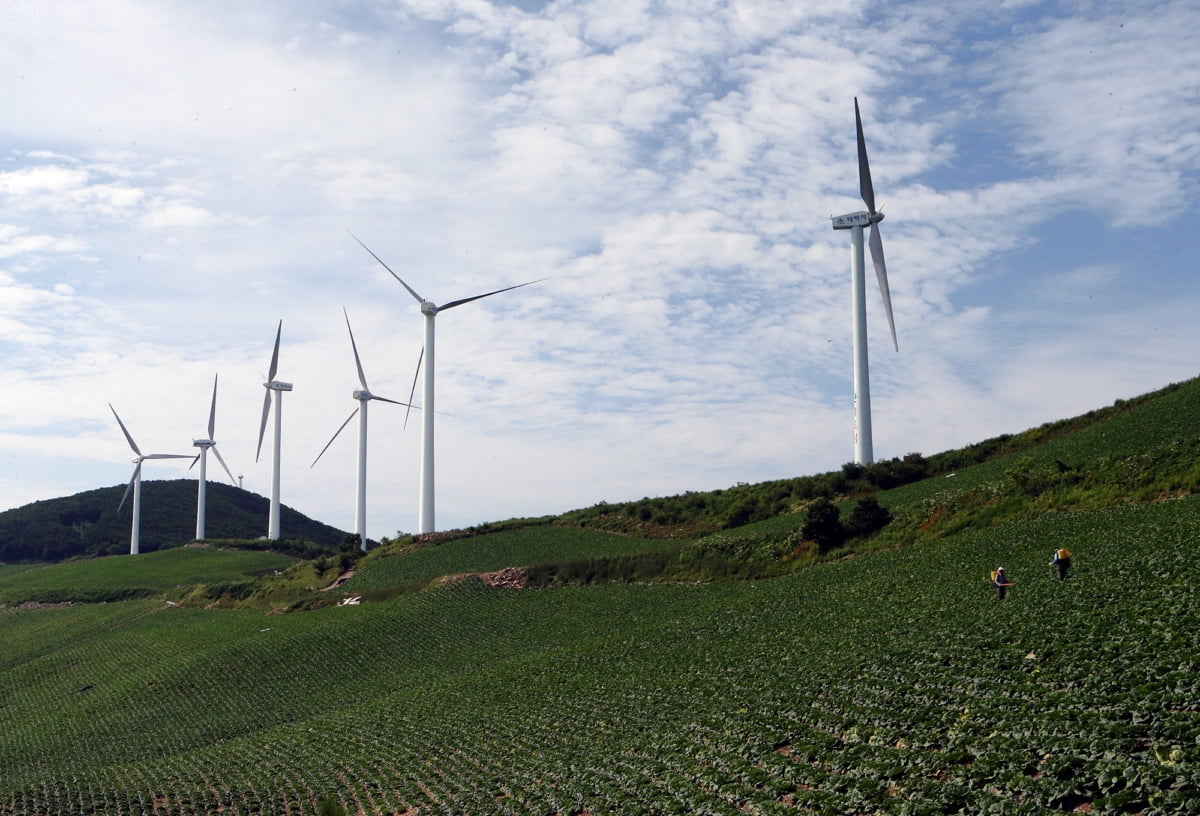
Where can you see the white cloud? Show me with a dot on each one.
(1114, 101)
(176, 214)
(177, 181)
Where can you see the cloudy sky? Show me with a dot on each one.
(176, 178)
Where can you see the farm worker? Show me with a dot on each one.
(1001, 582)
(1062, 560)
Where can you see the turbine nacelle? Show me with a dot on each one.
(429, 308)
(203, 443)
(862, 218)
(276, 385)
(363, 395)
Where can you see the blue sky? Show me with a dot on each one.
(175, 178)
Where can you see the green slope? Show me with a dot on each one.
(481, 554)
(122, 577)
(891, 682)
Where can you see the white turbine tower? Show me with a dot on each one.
(363, 396)
(863, 452)
(425, 521)
(273, 386)
(135, 482)
(202, 458)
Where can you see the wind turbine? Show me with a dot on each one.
(135, 482)
(425, 521)
(202, 458)
(363, 396)
(273, 386)
(855, 222)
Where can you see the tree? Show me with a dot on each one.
(824, 525)
(867, 518)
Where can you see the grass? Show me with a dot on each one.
(15, 569)
(124, 577)
(889, 682)
(524, 547)
(868, 685)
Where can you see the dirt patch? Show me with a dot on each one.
(507, 578)
(341, 579)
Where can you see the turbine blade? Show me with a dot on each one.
(454, 303)
(864, 168)
(168, 456)
(136, 470)
(194, 461)
(362, 378)
(393, 402)
(128, 438)
(416, 374)
(881, 274)
(417, 297)
(262, 428)
(275, 354)
(335, 436)
(212, 412)
(217, 453)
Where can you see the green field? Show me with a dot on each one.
(888, 682)
(118, 577)
(532, 545)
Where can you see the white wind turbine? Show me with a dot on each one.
(202, 458)
(425, 521)
(863, 453)
(363, 396)
(135, 482)
(273, 386)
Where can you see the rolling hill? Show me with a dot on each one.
(881, 677)
(89, 523)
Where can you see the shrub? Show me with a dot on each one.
(867, 517)
(824, 525)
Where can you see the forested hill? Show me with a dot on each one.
(89, 523)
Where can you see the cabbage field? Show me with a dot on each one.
(888, 683)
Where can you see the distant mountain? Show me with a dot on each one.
(88, 523)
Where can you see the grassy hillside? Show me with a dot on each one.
(89, 523)
(115, 578)
(889, 682)
(529, 545)
(725, 698)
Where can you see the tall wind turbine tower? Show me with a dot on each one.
(425, 520)
(364, 396)
(135, 483)
(202, 457)
(277, 388)
(855, 222)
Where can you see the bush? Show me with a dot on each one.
(824, 525)
(867, 518)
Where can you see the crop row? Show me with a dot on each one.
(889, 684)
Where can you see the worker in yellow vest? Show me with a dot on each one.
(1061, 560)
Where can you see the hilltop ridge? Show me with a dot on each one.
(89, 523)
